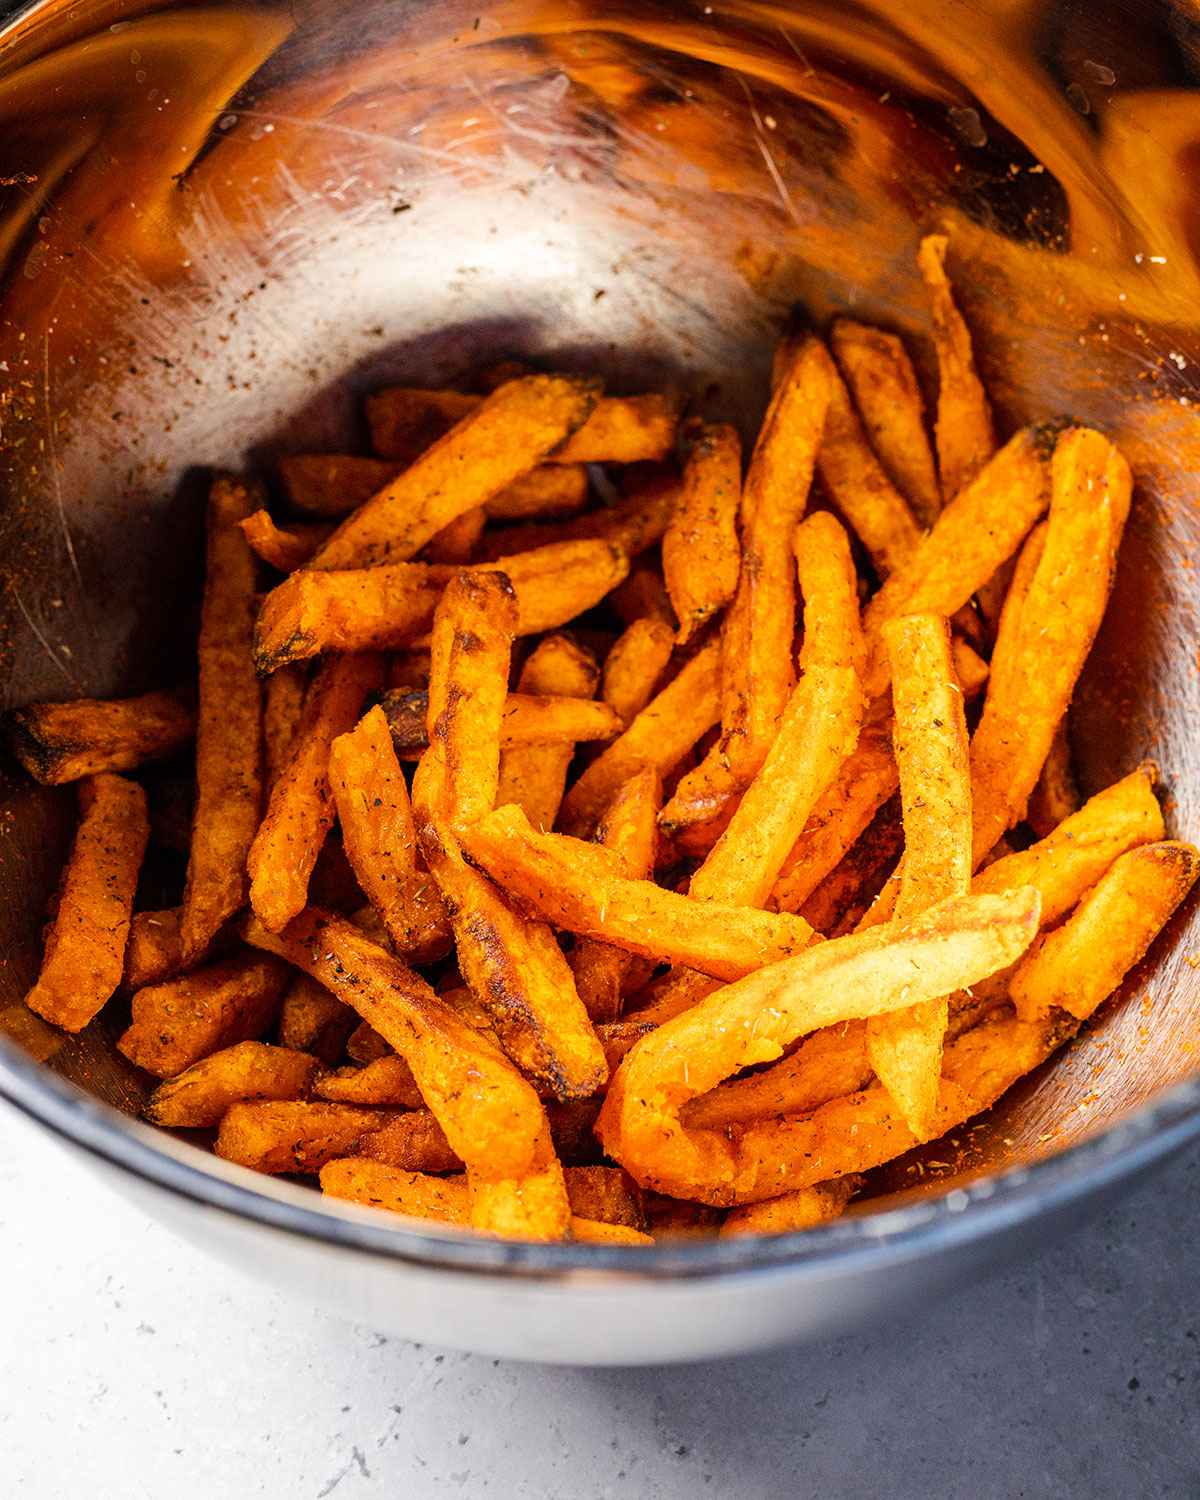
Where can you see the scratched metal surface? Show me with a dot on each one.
(220, 224)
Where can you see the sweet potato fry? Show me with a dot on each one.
(294, 1136)
(229, 726)
(417, 1194)
(595, 1232)
(313, 1020)
(876, 367)
(284, 547)
(405, 421)
(60, 742)
(365, 1045)
(509, 433)
(857, 484)
(643, 594)
(300, 810)
(607, 1195)
(966, 438)
(819, 728)
(283, 704)
(1078, 965)
(631, 525)
(804, 1208)
(332, 484)
(950, 947)
(554, 490)
(201, 1094)
(581, 887)
(854, 882)
(532, 1207)
(456, 542)
(525, 721)
(634, 666)
(1036, 664)
(153, 950)
(177, 1023)
(84, 956)
(1055, 796)
(700, 553)
(388, 1081)
(534, 776)
(664, 731)
(930, 738)
(412, 1141)
(630, 830)
(384, 607)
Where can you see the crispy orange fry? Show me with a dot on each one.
(177, 1023)
(153, 951)
(84, 957)
(642, 594)
(509, 433)
(534, 776)
(383, 607)
(700, 553)
(595, 1232)
(300, 810)
(413, 1141)
(819, 728)
(1078, 965)
(554, 490)
(365, 1045)
(635, 664)
(1056, 794)
(417, 1194)
(277, 1136)
(405, 421)
(664, 731)
(932, 755)
(1036, 664)
(844, 895)
(456, 542)
(284, 547)
(606, 1195)
(333, 484)
(950, 947)
(387, 1081)
(581, 887)
(803, 1209)
(313, 1020)
(526, 719)
(882, 381)
(856, 481)
(629, 829)
(60, 742)
(283, 703)
(201, 1094)
(632, 524)
(966, 438)
(228, 729)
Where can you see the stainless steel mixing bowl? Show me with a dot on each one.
(219, 224)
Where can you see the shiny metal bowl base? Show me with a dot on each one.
(219, 225)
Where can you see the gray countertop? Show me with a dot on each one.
(135, 1367)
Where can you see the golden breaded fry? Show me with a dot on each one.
(313, 1020)
(607, 1195)
(332, 484)
(417, 1194)
(388, 1081)
(456, 542)
(283, 703)
(595, 1232)
(153, 950)
(581, 887)
(629, 829)
(966, 438)
(803, 1209)
(1078, 965)
(1056, 795)
(819, 728)
(294, 1136)
(60, 742)
(700, 553)
(509, 433)
(229, 726)
(177, 1023)
(631, 525)
(84, 956)
(981, 527)
(933, 758)
(201, 1094)
(284, 547)
(636, 663)
(856, 481)
(1036, 664)
(950, 947)
(383, 607)
(534, 776)
(876, 367)
(300, 810)
(664, 731)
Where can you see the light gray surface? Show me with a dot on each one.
(127, 1356)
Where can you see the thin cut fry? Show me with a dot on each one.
(930, 736)
(284, 547)
(881, 378)
(554, 490)
(387, 1081)
(534, 776)
(61, 742)
(177, 1023)
(950, 947)
(629, 829)
(201, 1094)
(803, 1209)
(700, 554)
(581, 887)
(283, 703)
(228, 729)
(631, 525)
(153, 950)
(1056, 795)
(300, 810)
(510, 433)
(635, 664)
(313, 1020)
(966, 438)
(85, 946)
(524, 722)
(848, 890)
(660, 736)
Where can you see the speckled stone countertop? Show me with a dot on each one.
(131, 1367)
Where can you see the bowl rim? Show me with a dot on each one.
(937, 1222)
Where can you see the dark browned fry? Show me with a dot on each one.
(456, 542)
(284, 547)
(60, 742)
(386, 1081)
(525, 722)
(313, 1020)
(295, 1136)
(153, 951)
